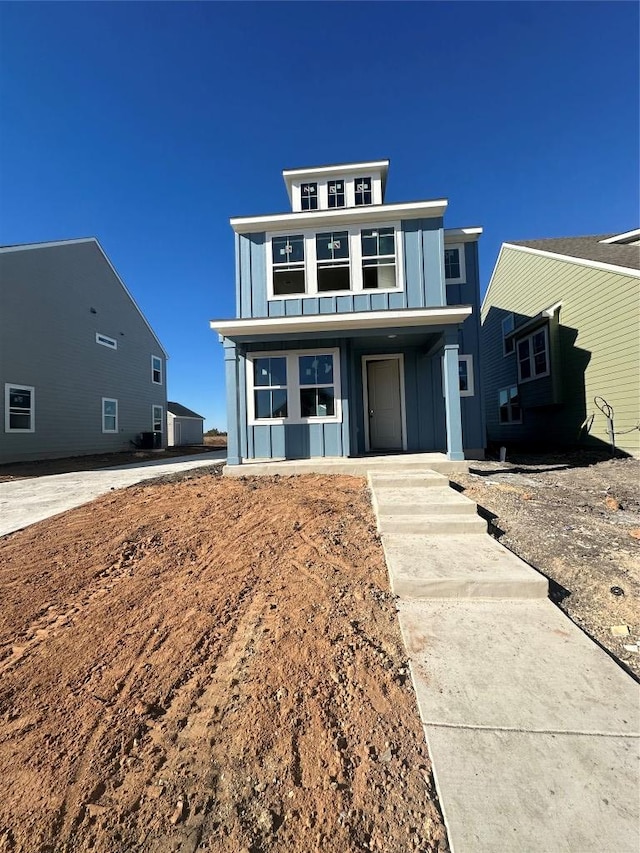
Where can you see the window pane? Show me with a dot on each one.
(336, 193)
(287, 282)
(525, 369)
(540, 363)
(363, 190)
(452, 263)
(463, 375)
(271, 404)
(270, 371)
(503, 398)
(316, 369)
(288, 250)
(504, 415)
(387, 242)
(109, 407)
(279, 403)
(333, 278)
(538, 342)
(19, 399)
(379, 277)
(317, 402)
(332, 246)
(18, 421)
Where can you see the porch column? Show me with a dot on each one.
(233, 402)
(453, 415)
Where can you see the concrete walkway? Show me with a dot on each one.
(23, 502)
(533, 730)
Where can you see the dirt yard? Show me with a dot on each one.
(208, 664)
(577, 519)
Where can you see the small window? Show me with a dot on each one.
(465, 372)
(362, 187)
(317, 391)
(332, 253)
(510, 411)
(288, 265)
(156, 370)
(19, 408)
(157, 419)
(104, 341)
(270, 387)
(533, 356)
(508, 343)
(378, 258)
(309, 196)
(109, 415)
(454, 264)
(336, 193)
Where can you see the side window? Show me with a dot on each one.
(508, 344)
(288, 265)
(533, 356)
(362, 187)
(19, 408)
(454, 264)
(465, 372)
(509, 405)
(109, 415)
(156, 370)
(270, 387)
(157, 420)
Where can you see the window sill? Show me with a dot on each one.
(292, 422)
(332, 293)
(533, 378)
(455, 281)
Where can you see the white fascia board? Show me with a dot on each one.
(583, 262)
(462, 235)
(21, 247)
(623, 238)
(312, 218)
(349, 320)
(339, 169)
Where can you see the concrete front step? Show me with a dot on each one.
(422, 479)
(455, 524)
(422, 501)
(459, 567)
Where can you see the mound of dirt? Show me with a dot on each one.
(209, 665)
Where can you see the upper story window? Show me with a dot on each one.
(332, 254)
(19, 408)
(309, 196)
(454, 264)
(363, 194)
(508, 343)
(378, 258)
(288, 265)
(156, 370)
(336, 196)
(533, 355)
(353, 260)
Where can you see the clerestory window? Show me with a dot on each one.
(336, 194)
(363, 193)
(309, 196)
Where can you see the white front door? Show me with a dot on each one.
(384, 402)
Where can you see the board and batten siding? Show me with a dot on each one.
(422, 253)
(597, 350)
(48, 340)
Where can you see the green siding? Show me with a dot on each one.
(597, 351)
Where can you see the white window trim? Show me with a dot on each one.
(529, 339)
(508, 388)
(109, 400)
(399, 357)
(511, 318)
(462, 278)
(153, 370)
(293, 387)
(470, 392)
(153, 418)
(106, 341)
(32, 410)
(355, 261)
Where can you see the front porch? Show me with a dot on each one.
(356, 465)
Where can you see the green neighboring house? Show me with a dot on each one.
(560, 328)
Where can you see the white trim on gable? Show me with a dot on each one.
(583, 262)
(627, 237)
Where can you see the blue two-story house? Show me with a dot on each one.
(356, 327)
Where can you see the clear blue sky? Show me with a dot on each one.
(148, 125)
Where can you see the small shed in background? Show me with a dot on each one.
(183, 426)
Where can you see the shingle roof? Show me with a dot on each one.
(588, 248)
(182, 411)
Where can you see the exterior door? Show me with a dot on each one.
(177, 432)
(384, 404)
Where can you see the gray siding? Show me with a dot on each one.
(595, 350)
(47, 340)
(190, 430)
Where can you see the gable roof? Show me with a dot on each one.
(589, 248)
(20, 247)
(182, 411)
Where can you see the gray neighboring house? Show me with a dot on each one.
(81, 369)
(183, 425)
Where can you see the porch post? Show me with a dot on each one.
(233, 402)
(453, 415)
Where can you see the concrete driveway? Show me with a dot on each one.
(23, 502)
